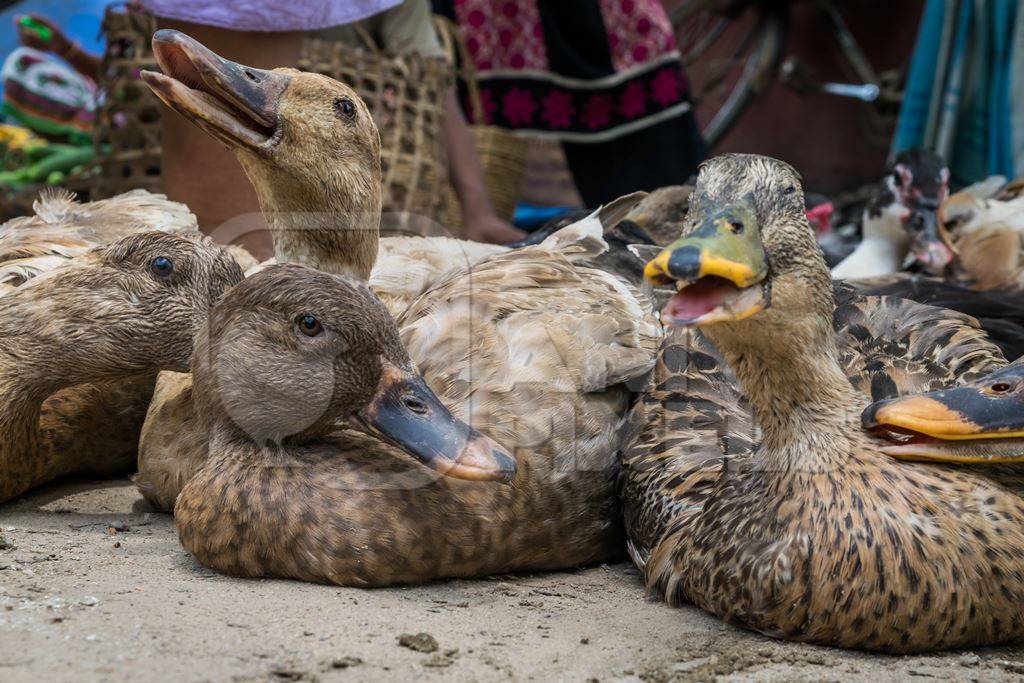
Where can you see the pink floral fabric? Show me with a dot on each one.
(608, 67)
(503, 35)
(642, 31)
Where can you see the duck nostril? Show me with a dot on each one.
(251, 76)
(415, 404)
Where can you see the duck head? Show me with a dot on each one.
(131, 306)
(915, 186)
(746, 248)
(982, 421)
(292, 352)
(307, 142)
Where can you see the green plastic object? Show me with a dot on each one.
(44, 32)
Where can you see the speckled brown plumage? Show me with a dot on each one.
(339, 507)
(105, 318)
(801, 528)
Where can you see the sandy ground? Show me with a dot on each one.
(95, 587)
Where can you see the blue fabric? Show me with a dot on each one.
(910, 131)
(970, 120)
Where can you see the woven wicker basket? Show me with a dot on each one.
(127, 135)
(502, 153)
(406, 95)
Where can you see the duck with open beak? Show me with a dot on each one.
(720, 268)
(980, 422)
(234, 103)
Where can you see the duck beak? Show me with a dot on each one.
(929, 247)
(964, 424)
(719, 269)
(407, 414)
(236, 104)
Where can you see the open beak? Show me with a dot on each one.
(930, 247)
(964, 424)
(236, 104)
(407, 414)
(719, 269)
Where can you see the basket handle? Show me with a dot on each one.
(455, 47)
(365, 36)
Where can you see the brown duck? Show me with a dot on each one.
(793, 521)
(118, 312)
(292, 355)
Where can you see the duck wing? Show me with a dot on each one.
(891, 346)
(407, 267)
(999, 311)
(691, 418)
(537, 346)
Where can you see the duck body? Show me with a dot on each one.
(873, 567)
(366, 517)
(555, 394)
(762, 499)
(83, 344)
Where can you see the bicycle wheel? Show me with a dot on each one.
(728, 60)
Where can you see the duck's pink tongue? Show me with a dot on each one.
(699, 299)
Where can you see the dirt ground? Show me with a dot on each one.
(95, 587)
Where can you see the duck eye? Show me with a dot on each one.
(736, 227)
(1000, 387)
(309, 325)
(790, 189)
(415, 404)
(162, 266)
(345, 108)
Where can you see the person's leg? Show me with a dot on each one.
(667, 153)
(198, 170)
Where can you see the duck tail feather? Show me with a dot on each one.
(614, 212)
(585, 238)
(54, 204)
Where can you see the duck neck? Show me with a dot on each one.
(880, 252)
(331, 224)
(805, 405)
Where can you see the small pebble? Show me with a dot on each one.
(345, 662)
(420, 642)
(970, 659)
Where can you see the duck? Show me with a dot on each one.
(369, 515)
(62, 228)
(980, 422)
(76, 337)
(986, 234)
(912, 222)
(803, 528)
(534, 347)
(899, 223)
